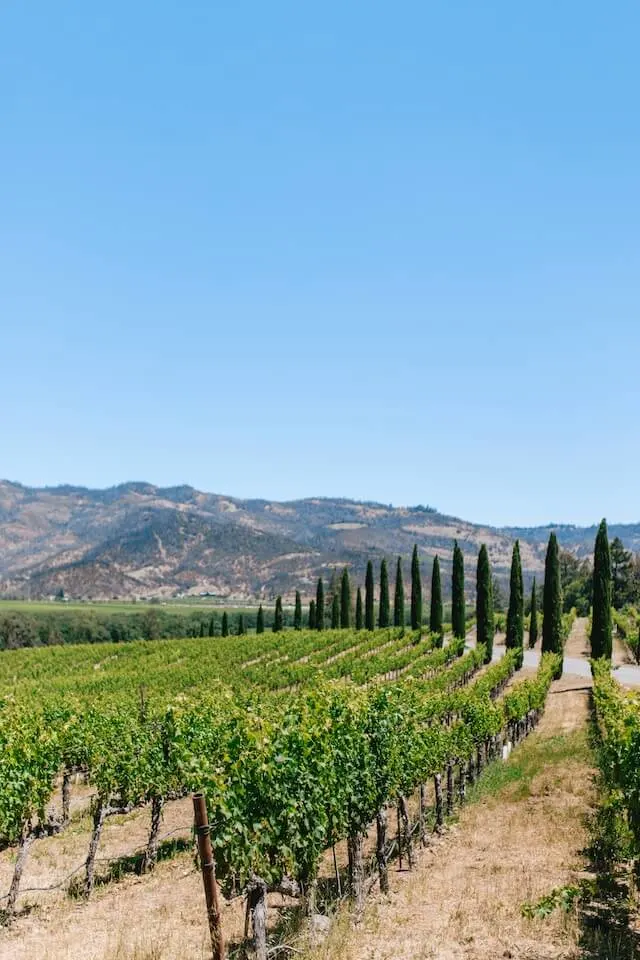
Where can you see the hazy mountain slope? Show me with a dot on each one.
(137, 540)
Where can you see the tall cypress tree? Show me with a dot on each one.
(320, 605)
(601, 626)
(260, 620)
(384, 614)
(515, 614)
(345, 600)
(369, 618)
(416, 591)
(312, 615)
(225, 624)
(278, 618)
(297, 612)
(202, 628)
(212, 627)
(533, 626)
(484, 604)
(335, 611)
(359, 612)
(241, 625)
(458, 612)
(435, 613)
(398, 597)
(552, 602)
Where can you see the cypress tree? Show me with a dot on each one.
(484, 604)
(601, 626)
(312, 615)
(345, 600)
(297, 612)
(202, 628)
(458, 612)
(260, 620)
(398, 599)
(369, 618)
(359, 613)
(533, 626)
(435, 613)
(384, 613)
(416, 591)
(320, 605)
(552, 602)
(278, 618)
(212, 627)
(335, 611)
(225, 624)
(241, 627)
(515, 614)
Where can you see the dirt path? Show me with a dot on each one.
(519, 841)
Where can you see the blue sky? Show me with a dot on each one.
(384, 251)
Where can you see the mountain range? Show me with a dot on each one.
(139, 540)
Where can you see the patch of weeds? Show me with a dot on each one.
(527, 761)
(561, 898)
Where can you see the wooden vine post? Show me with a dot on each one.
(207, 863)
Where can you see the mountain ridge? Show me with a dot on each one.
(137, 539)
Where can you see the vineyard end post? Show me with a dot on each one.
(205, 852)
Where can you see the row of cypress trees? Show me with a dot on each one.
(552, 638)
(365, 618)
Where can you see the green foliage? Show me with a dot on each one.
(297, 612)
(320, 605)
(359, 611)
(278, 619)
(561, 898)
(242, 629)
(260, 620)
(533, 623)
(345, 600)
(225, 624)
(290, 762)
(623, 587)
(552, 631)
(61, 625)
(312, 615)
(601, 625)
(384, 613)
(436, 618)
(335, 612)
(416, 591)
(458, 613)
(515, 614)
(484, 603)
(369, 617)
(398, 598)
(576, 579)
(618, 723)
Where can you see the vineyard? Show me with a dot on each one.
(299, 741)
(618, 720)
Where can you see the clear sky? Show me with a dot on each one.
(380, 250)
